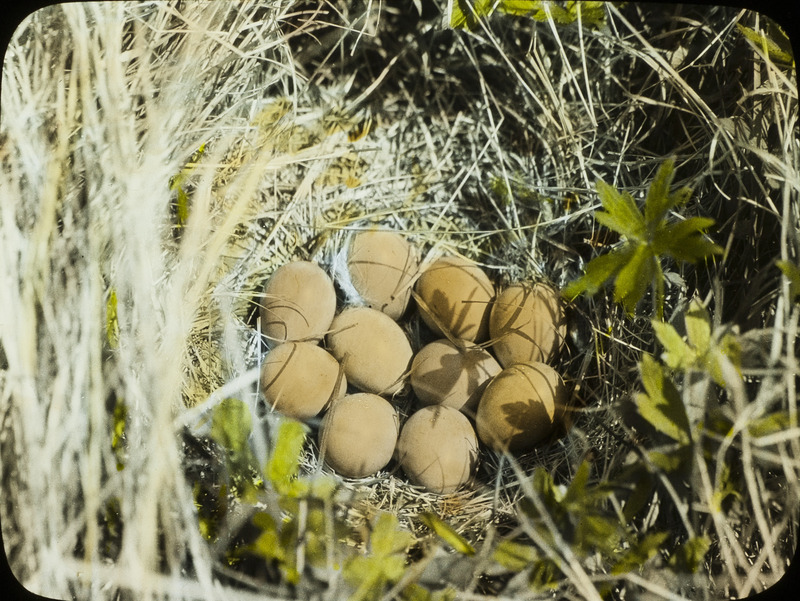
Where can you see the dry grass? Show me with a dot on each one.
(103, 104)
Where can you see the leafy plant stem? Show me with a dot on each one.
(572, 568)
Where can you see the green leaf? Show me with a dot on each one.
(416, 592)
(446, 532)
(268, 544)
(120, 419)
(385, 564)
(637, 265)
(231, 424)
(716, 358)
(675, 461)
(688, 556)
(465, 14)
(545, 575)
(283, 465)
(727, 488)
(668, 236)
(623, 215)
(677, 354)
(778, 50)
(769, 424)
(792, 273)
(698, 327)
(112, 324)
(662, 406)
(580, 493)
(704, 352)
(546, 489)
(640, 496)
(519, 8)
(592, 13)
(595, 531)
(575, 496)
(514, 556)
(634, 279)
(598, 271)
(680, 197)
(640, 553)
(685, 240)
(658, 201)
(182, 207)
(387, 537)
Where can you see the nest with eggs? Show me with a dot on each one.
(270, 133)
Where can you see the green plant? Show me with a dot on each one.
(112, 323)
(385, 561)
(119, 420)
(704, 350)
(230, 428)
(177, 184)
(792, 273)
(772, 41)
(647, 237)
(465, 14)
(305, 503)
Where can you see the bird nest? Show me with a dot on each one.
(235, 138)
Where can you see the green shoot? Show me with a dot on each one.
(704, 350)
(648, 236)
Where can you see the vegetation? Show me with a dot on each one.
(161, 160)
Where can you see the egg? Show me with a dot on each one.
(298, 303)
(358, 435)
(520, 407)
(456, 294)
(527, 324)
(444, 374)
(438, 449)
(382, 266)
(300, 378)
(372, 348)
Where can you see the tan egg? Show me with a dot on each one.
(298, 303)
(382, 267)
(358, 435)
(527, 323)
(438, 449)
(457, 296)
(520, 407)
(443, 374)
(300, 378)
(372, 348)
